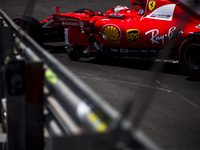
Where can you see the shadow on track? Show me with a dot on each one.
(147, 65)
(55, 48)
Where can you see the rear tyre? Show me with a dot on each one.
(189, 55)
(32, 27)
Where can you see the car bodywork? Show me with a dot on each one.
(148, 26)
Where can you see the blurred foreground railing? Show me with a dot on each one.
(44, 106)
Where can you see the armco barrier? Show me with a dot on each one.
(44, 106)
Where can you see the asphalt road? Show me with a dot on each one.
(165, 100)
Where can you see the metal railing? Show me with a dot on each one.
(74, 117)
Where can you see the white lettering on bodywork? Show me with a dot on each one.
(155, 37)
(70, 23)
(163, 13)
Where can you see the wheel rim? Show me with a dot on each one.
(192, 56)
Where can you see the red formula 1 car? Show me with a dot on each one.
(147, 27)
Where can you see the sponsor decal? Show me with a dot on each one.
(67, 23)
(163, 13)
(198, 26)
(124, 50)
(116, 15)
(161, 16)
(70, 22)
(156, 38)
(121, 50)
(112, 33)
(152, 4)
(132, 35)
(114, 50)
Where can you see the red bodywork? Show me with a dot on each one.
(151, 25)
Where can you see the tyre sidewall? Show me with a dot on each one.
(32, 27)
(188, 41)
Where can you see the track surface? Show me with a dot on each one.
(166, 102)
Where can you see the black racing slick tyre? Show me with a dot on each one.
(189, 55)
(32, 27)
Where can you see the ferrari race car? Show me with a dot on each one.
(147, 27)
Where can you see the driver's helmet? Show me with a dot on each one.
(119, 8)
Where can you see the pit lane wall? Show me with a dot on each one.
(44, 106)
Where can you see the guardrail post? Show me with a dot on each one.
(1, 22)
(6, 46)
(3, 136)
(1, 64)
(34, 106)
(25, 105)
(6, 41)
(16, 105)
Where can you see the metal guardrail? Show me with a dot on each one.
(74, 116)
